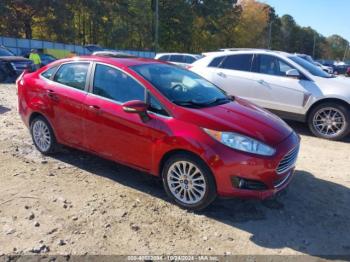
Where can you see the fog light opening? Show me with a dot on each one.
(247, 184)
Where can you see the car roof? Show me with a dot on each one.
(245, 51)
(120, 62)
(159, 54)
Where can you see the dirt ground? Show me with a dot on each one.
(76, 203)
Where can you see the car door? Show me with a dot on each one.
(66, 90)
(112, 132)
(233, 75)
(276, 91)
(178, 60)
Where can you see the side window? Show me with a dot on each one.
(155, 106)
(238, 62)
(271, 65)
(189, 59)
(216, 61)
(73, 75)
(177, 58)
(114, 84)
(164, 58)
(49, 72)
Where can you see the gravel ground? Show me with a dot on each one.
(77, 203)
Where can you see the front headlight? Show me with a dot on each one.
(241, 142)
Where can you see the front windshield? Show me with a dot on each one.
(181, 86)
(5, 52)
(311, 68)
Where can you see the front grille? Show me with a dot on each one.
(280, 182)
(288, 161)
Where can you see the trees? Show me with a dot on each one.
(184, 25)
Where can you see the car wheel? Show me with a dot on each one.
(330, 121)
(2, 76)
(189, 182)
(43, 135)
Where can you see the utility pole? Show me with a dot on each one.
(270, 34)
(156, 26)
(346, 51)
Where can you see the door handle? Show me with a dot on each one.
(94, 107)
(221, 74)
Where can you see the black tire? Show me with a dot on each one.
(210, 185)
(51, 148)
(2, 76)
(345, 111)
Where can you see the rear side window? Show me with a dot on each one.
(113, 84)
(164, 58)
(238, 62)
(189, 59)
(216, 61)
(73, 75)
(177, 58)
(49, 72)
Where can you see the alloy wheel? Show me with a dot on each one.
(329, 121)
(186, 182)
(42, 135)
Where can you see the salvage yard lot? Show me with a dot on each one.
(76, 203)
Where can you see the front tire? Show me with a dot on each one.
(330, 121)
(188, 181)
(43, 136)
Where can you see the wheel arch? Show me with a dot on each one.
(326, 100)
(173, 152)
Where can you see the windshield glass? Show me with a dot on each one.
(5, 52)
(181, 86)
(311, 68)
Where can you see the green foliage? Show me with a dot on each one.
(184, 25)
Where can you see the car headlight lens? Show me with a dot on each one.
(241, 142)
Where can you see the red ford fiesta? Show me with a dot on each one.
(161, 119)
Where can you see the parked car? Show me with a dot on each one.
(178, 58)
(141, 113)
(341, 69)
(115, 54)
(46, 59)
(327, 69)
(286, 85)
(11, 65)
(348, 71)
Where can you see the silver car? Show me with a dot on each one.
(285, 84)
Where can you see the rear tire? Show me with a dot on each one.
(188, 181)
(330, 121)
(43, 136)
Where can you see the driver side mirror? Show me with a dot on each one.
(137, 107)
(293, 73)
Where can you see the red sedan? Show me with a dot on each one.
(161, 119)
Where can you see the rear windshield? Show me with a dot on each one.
(5, 52)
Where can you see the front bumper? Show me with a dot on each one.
(259, 173)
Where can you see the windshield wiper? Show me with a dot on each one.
(189, 103)
(194, 103)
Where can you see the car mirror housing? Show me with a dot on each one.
(137, 107)
(293, 73)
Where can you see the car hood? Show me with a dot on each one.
(242, 117)
(14, 58)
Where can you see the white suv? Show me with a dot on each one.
(178, 58)
(284, 84)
